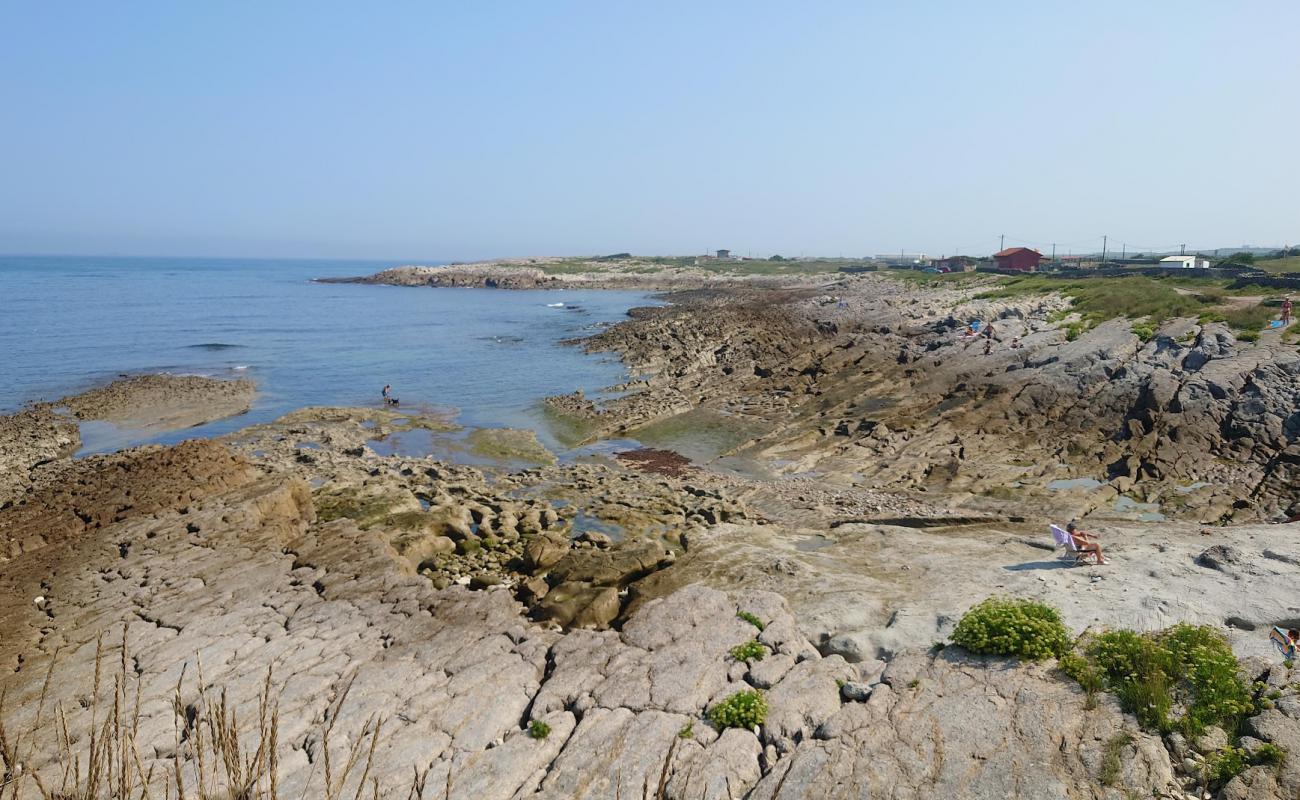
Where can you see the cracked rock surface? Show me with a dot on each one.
(243, 579)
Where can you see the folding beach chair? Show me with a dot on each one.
(1072, 553)
(1283, 643)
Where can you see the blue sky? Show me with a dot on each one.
(471, 130)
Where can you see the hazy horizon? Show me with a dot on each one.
(432, 134)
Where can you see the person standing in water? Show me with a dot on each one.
(388, 395)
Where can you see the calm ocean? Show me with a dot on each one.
(68, 323)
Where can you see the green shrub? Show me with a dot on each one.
(1225, 765)
(538, 729)
(1186, 666)
(1207, 670)
(744, 709)
(749, 651)
(1011, 627)
(752, 619)
(1144, 331)
(688, 732)
(1248, 336)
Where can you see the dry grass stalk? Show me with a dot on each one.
(211, 758)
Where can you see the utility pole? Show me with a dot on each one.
(1124, 253)
(1002, 242)
(1053, 251)
(1182, 249)
(1103, 250)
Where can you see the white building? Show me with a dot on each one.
(1185, 262)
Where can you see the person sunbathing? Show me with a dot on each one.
(1085, 542)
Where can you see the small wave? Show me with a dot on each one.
(239, 368)
(214, 346)
(555, 305)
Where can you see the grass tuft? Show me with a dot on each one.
(1112, 763)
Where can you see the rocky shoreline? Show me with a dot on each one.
(859, 477)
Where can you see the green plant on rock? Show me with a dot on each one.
(1089, 679)
(1187, 667)
(749, 651)
(744, 709)
(1225, 765)
(1145, 331)
(1269, 754)
(687, 732)
(752, 619)
(538, 729)
(1112, 763)
(1012, 627)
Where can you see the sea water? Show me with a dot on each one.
(487, 355)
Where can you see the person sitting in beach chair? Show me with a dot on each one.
(1084, 541)
(1285, 641)
(1084, 550)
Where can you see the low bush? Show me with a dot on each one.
(749, 651)
(744, 709)
(1012, 627)
(1144, 331)
(752, 619)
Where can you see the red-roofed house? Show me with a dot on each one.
(1018, 258)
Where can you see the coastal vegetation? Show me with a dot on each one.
(538, 729)
(1149, 301)
(1280, 266)
(749, 651)
(745, 709)
(1184, 678)
(1006, 626)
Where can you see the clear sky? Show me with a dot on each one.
(439, 130)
